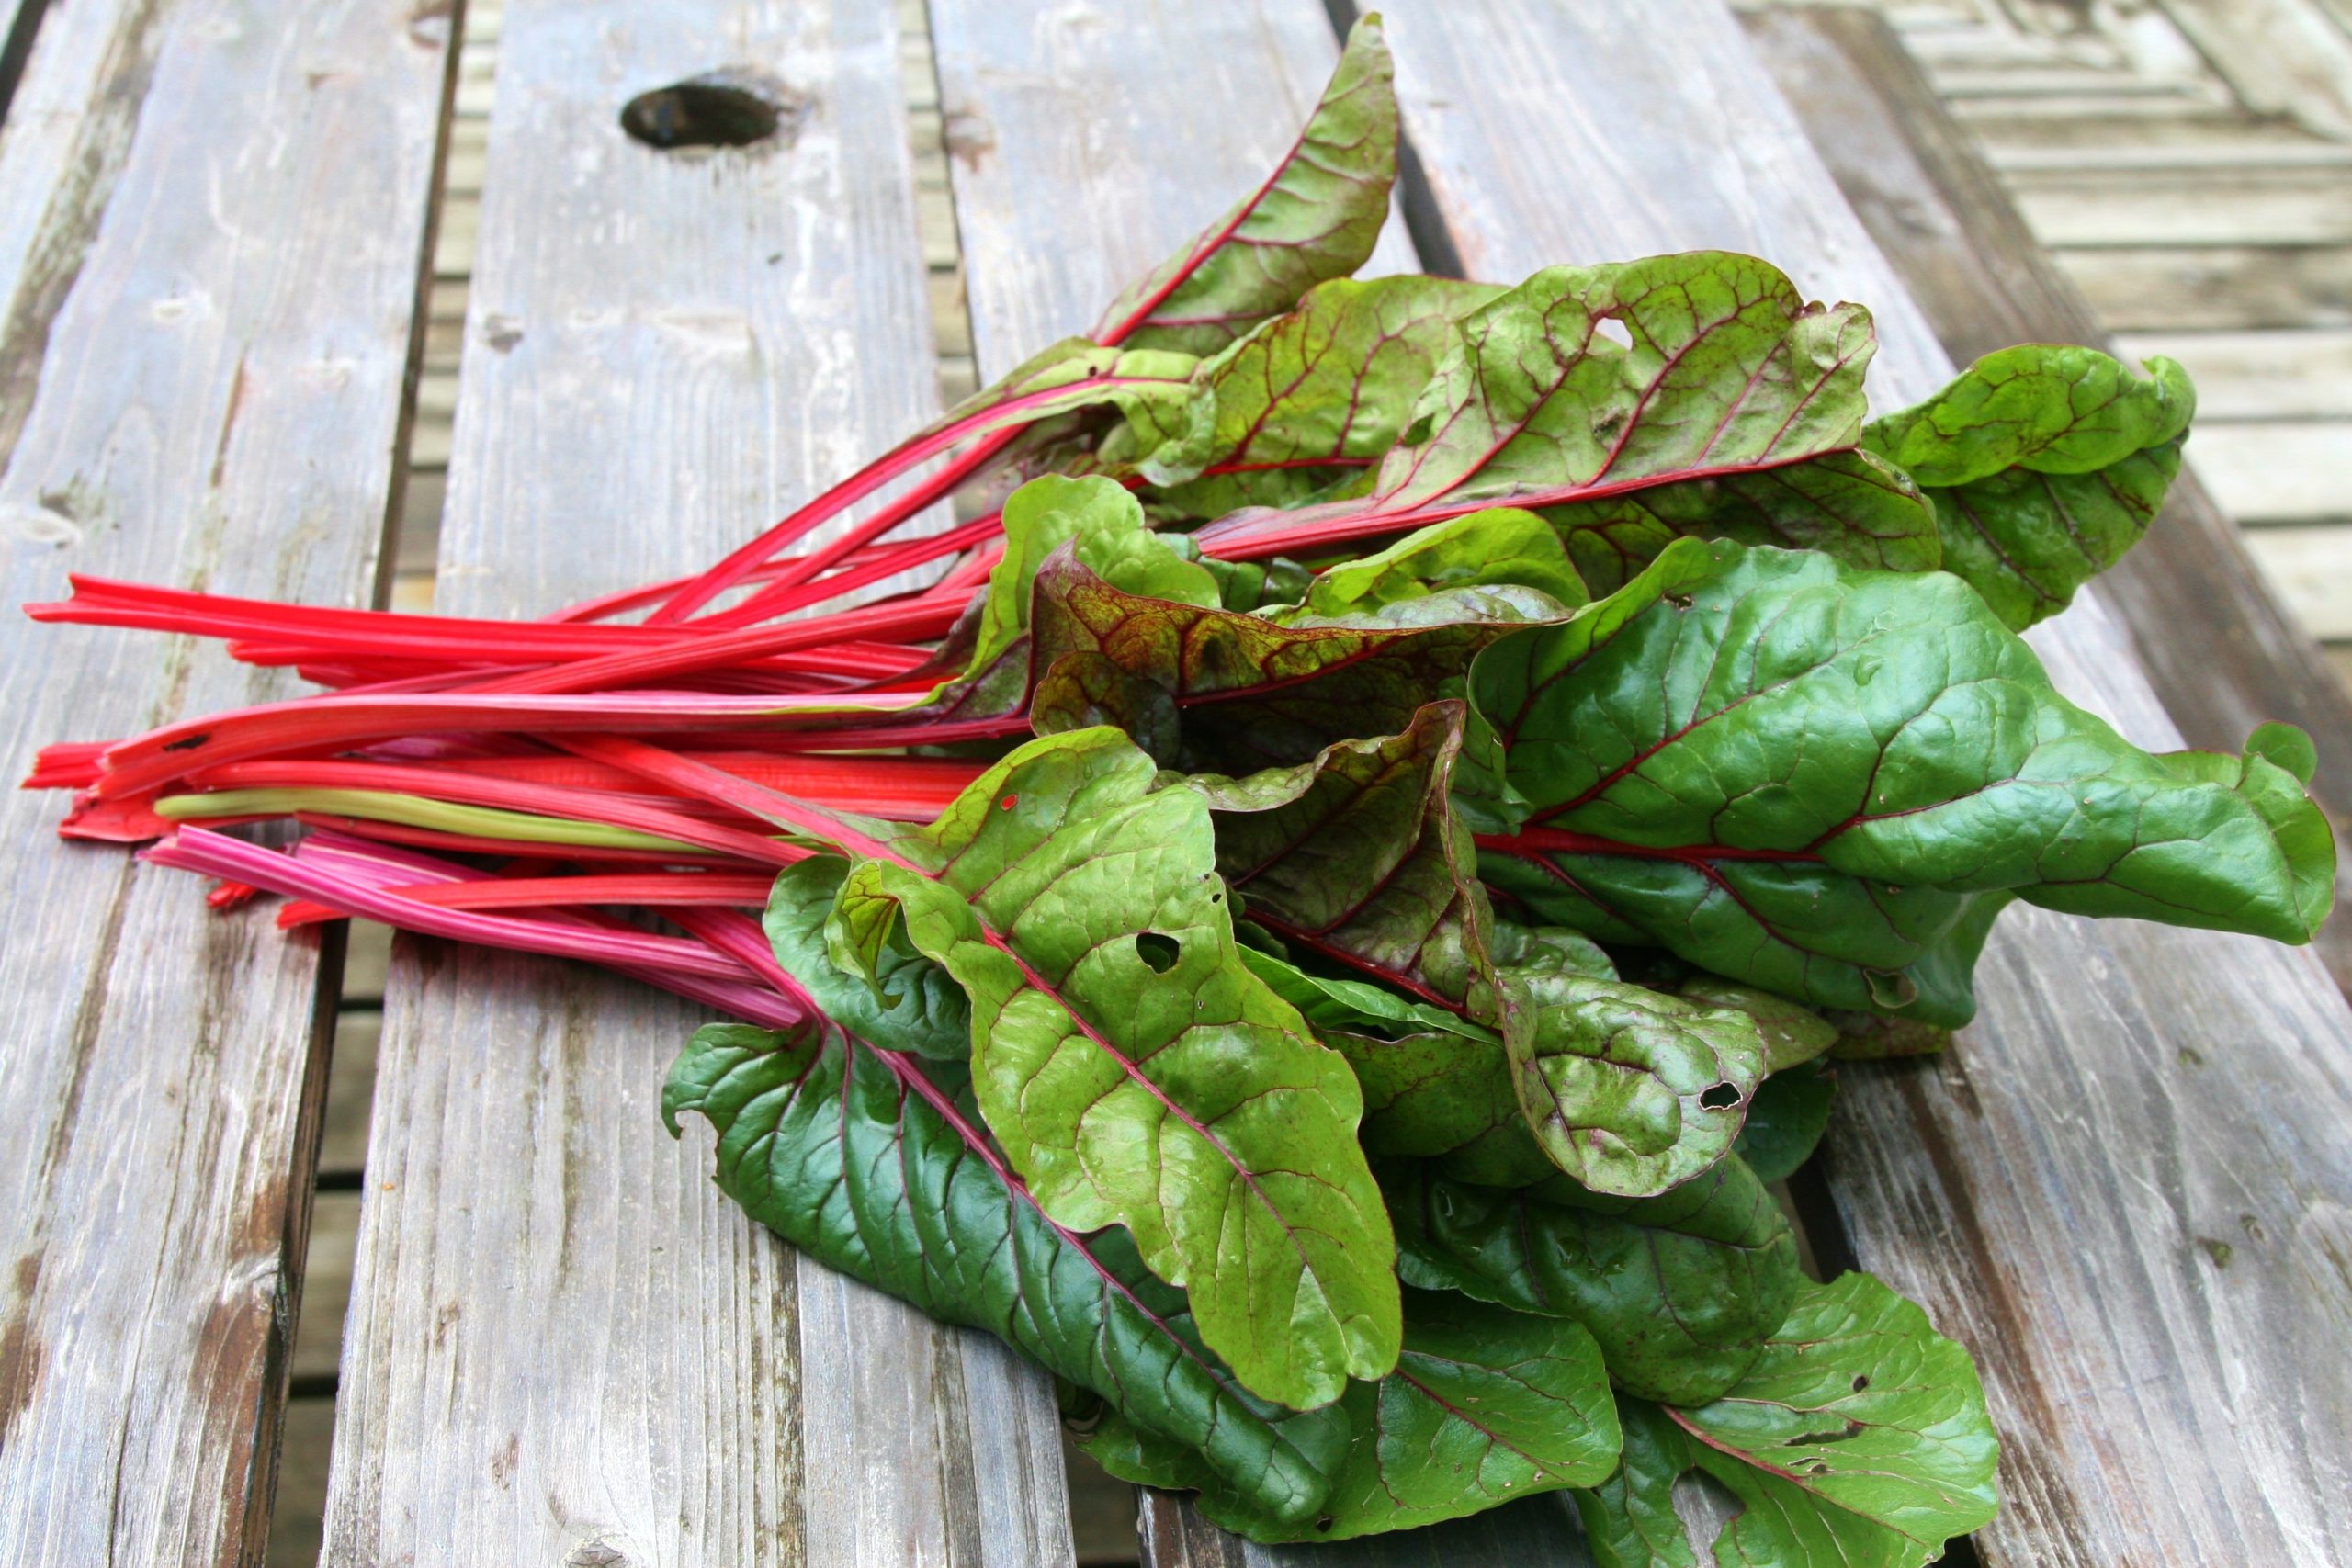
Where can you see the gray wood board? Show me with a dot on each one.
(2218, 649)
(212, 226)
(1087, 143)
(2048, 1191)
(565, 1345)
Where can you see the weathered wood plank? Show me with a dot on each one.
(2296, 374)
(565, 1346)
(212, 223)
(2279, 471)
(2171, 289)
(2137, 207)
(2045, 1190)
(2220, 650)
(2311, 570)
(2282, 57)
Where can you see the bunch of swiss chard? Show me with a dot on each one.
(1320, 920)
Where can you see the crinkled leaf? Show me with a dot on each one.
(1680, 1290)
(1729, 385)
(1859, 1437)
(836, 1148)
(1356, 854)
(1785, 1120)
(912, 1004)
(1630, 1090)
(1485, 1406)
(1316, 217)
(1266, 695)
(1304, 402)
(2045, 463)
(1825, 782)
(1132, 1068)
(1848, 504)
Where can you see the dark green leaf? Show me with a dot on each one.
(874, 1165)
(1485, 1406)
(1134, 1070)
(1680, 1290)
(1825, 782)
(1859, 1437)
(912, 1005)
(1786, 1120)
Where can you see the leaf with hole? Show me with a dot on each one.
(1134, 1070)
(1858, 1437)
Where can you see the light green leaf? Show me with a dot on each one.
(1630, 1090)
(1134, 1070)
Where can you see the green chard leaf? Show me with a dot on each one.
(1786, 1120)
(1485, 1406)
(1859, 1437)
(1630, 1090)
(1827, 783)
(1114, 643)
(1303, 403)
(1733, 409)
(912, 1004)
(1357, 855)
(1680, 1290)
(2045, 463)
(1132, 1068)
(873, 1163)
(1316, 217)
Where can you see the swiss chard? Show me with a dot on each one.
(1153, 1011)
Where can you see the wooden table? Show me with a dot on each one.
(2129, 1191)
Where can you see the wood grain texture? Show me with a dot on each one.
(2171, 289)
(2219, 648)
(565, 1346)
(2131, 1093)
(212, 220)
